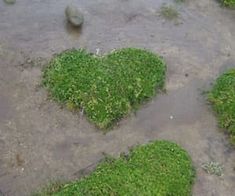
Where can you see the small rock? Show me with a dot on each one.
(171, 117)
(74, 16)
(29, 61)
(97, 51)
(10, 1)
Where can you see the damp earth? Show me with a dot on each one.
(41, 142)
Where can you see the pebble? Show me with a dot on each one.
(74, 16)
(97, 51)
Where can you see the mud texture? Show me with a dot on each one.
(42, 142)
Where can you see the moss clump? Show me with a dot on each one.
(158, 168)
(222, 97)
(10, 1)
(169, 12)
(229, 3)
(107, 87)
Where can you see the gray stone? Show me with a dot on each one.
(10, 1)
(74, 16)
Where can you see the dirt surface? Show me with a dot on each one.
(41, 142)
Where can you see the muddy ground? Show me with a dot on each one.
(42, 142)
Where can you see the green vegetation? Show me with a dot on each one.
(213, 168)
(106, 88)
(222, 97)
(180, 1)
(9, 1)
(158, 168)
(229, 3)
(169, 12)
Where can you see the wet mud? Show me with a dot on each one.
(42, 142)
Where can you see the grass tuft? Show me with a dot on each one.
(106, 88)
(222, 97)
(158, 168)
(213, 168)
(169, 12)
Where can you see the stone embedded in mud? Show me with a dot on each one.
(74, 16)
(10, 1)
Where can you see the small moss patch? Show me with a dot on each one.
(10, 1)
(158, 168)
(180, 1)
(213, 168)
(222, 97)
(229, 3)
(106, 88)
(169, 12)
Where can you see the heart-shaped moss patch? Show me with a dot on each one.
(106, 88)
(160, 168)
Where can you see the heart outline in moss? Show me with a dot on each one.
(106, 87)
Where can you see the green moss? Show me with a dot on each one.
(180, 1)
(159, 168)
(222, 97)
(10, 1)
(108, 87)
(229, 3)
(169, 12)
